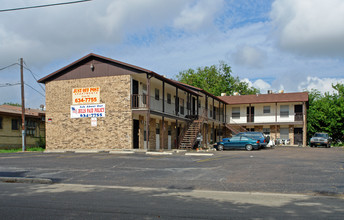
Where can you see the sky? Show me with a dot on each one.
(289, 45)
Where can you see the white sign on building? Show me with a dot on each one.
(87, 111)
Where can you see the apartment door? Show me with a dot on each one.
(169, 141)
(250, 114)
(157, 132)
(297, 136)
(298, 112)
(193, 106)
(135, 92)
(136, 127)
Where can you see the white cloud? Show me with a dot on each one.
(198, 15)
(310, 27)
(323, 85)
(249, 56)
(44, 35)
(262, 85)
(259, 84)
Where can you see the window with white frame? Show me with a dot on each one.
(157, 94)
(236, 112)
(266, 109)
(284, 111)
(284, 133)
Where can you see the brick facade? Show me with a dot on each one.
(114, 131)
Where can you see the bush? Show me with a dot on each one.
(41, 142)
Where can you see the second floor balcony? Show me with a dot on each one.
(173, 108)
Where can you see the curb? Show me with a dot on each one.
(199, 154)
(25, 180)
(121, 152)
(53, 152)
(159, 153)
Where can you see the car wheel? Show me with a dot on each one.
(249, 147)
(220, 147)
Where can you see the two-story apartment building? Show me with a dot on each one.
(280, 115)
(103, 104)
(100, 103)
(11, 130)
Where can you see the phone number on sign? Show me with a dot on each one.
(85, 100)
(93, 115)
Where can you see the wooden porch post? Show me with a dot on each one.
(148, 110)
(304, 132)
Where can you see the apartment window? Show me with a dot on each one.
(157, 94)
(284, 133)
(15, 123)
(30, 127)
(284, 111)
(0, 122)
(266, 109)
(168, 98)
(236, 112)
(211, 111)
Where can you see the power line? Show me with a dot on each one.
(8, 66)
(41, 6)
(34, 89)
(27, 68)
(9, 84)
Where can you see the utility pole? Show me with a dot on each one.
(23, 104)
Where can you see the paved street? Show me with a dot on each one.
(285, 181)
(79, 201)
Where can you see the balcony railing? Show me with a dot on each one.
(138, 101)
(298, 116)
(141, 102)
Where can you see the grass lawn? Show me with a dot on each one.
(19, 150)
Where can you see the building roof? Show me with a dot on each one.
(266, 98)
(71, 66)
(198, 90)
(17, 111)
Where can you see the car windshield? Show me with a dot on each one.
(251, 135)
(320, 135)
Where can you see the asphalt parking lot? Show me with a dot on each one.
(315, 171)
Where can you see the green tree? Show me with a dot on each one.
(326, 113)
(216, 79)
(11, 103)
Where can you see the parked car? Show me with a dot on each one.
(263, 141)
(321, 139)
(237, 142)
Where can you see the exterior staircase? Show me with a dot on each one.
(189, 138)
(235, 128)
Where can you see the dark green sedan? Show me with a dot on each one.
(237, 142)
